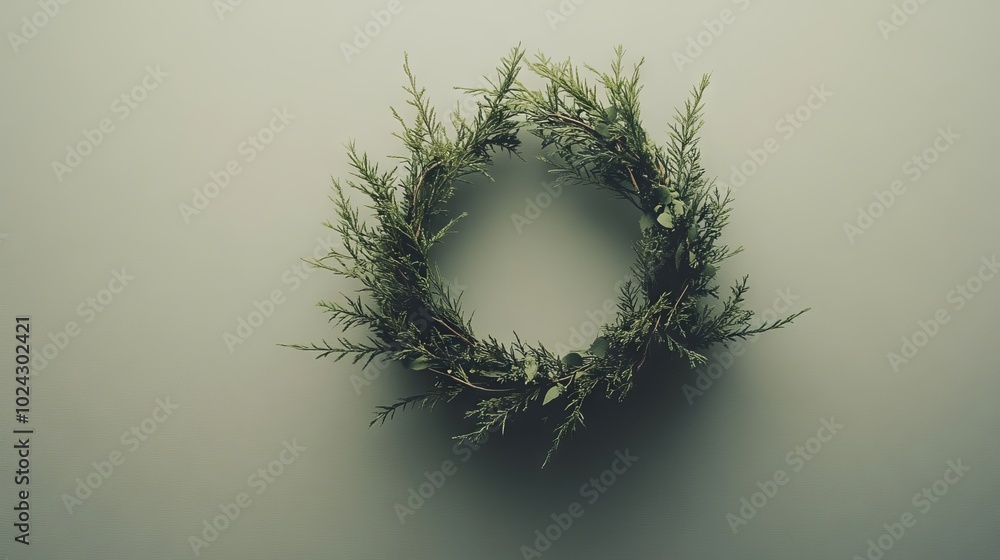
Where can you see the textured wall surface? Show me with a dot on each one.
(166, 166)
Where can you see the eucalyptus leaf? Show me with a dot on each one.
(677, 257)
(678, 206)
(602, 129)
(551, 394)
(493, 374)
(665, 220)
(709, 270)
(666, 194)
(600, 346)
(573, 359)
(420, 363)
(530, 367)
(612, 114)
(646, 221)
(692, 233)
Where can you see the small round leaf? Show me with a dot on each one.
(530, 367)
(573, 359)
(646, 221)
(665, 194)
(665, 220)
(420, 363)
(600, 346)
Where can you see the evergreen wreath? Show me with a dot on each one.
(413, 317)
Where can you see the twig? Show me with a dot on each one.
(676, 303)
(469, 385)
(453, 331)
(577, 122)
(420, 182)
(573, 375)
(631, 176)
(656, 325)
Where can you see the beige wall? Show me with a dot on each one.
(168, 284)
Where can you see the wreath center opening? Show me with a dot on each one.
(537, 255)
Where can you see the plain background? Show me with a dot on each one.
(196, 277)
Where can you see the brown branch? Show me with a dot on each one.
(676, 303)
(573, 375)
(631, 176)
(420, 181)
(453, 331)
(469, 385)
(577, 122)
(656, 325)
(416, 189)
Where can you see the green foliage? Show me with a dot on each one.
(588, 136)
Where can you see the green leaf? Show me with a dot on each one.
(678, 206)
(493, 374)
(530, 367)
(600, 346)
(552, 393)
(573, 359)
(692, 260)
(602, 129)
(420, 363)
(612, 113)
(665, 220)
(677, 257)
(646, 221)
(709, 270)
(692, 233)
(665, 194)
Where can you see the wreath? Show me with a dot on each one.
(670, 302)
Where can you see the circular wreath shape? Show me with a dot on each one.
(413, 317)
